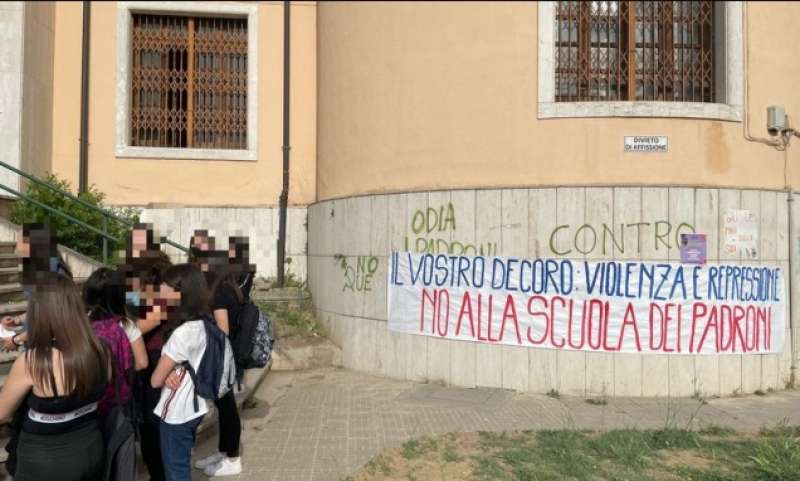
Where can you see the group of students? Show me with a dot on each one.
(136, 340)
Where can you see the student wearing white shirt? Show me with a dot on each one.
(186, 293)
(137, 343)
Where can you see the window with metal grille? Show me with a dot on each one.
(636, 50)
(189, 82)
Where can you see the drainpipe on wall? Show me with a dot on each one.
(792, 263)
(284, 199)
(83, 155)
(779, 144)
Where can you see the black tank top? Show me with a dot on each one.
(61, 414)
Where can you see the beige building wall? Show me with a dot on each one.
(37, 90)
(67, 90)
(428, 95)
(137, 181)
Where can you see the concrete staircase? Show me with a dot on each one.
(12, 300)
(11, 303)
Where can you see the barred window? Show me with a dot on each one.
(188, 82)
(635, 50)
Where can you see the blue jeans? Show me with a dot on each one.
(176, 449)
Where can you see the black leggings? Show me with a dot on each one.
(74, 456)
(149, 437)
(230, 426)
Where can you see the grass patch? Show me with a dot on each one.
(673, 438)
(716, 430)
(417, 447)
(713, 453)
(628, 446)
(379, 464)
(777, 458)
(451, 455)
(781, 430)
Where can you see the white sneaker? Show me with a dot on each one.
(226, 467)
(209, 460)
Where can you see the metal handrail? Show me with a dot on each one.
(65, 193)
(165, 240)
(58, 212)
(107, 214)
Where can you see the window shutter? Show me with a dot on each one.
(189, 82)
(635, 50)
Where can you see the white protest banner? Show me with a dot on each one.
(611, 306)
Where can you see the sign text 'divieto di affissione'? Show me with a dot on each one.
(645, 143)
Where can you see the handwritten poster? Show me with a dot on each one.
(610, 306)
(741, 233)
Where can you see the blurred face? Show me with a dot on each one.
(169, 300)
(24, 247)
(132, 291)
(238, 252)
(201, 243)
(139, 242)
(155, 308)
(171, 297)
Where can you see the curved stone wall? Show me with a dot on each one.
(350, 240)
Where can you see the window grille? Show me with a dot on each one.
(189, 82)
(635, 50)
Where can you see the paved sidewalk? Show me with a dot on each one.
(323, 425)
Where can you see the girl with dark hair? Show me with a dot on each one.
(200, 247)
(230, 286)
(62, 376)
(186, 293)
(38, 249)
(104, 294)
(151, 315)
(38, 252)
(141, 251)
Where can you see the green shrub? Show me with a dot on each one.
(68, 233)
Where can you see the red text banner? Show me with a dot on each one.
(608, 306)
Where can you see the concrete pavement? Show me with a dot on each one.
(323, 425)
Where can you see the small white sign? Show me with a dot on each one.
(645, 143)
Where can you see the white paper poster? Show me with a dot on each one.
(741, 233)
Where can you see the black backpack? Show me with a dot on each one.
(215, 374)
(252, 342)
(120, 441)
(119, 435)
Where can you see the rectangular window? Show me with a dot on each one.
(635, 50)
(188, 82)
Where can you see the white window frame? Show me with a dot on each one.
(730, 110)
(125, 11)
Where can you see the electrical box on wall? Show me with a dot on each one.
(776, 120)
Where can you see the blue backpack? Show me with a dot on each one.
(216, 373)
